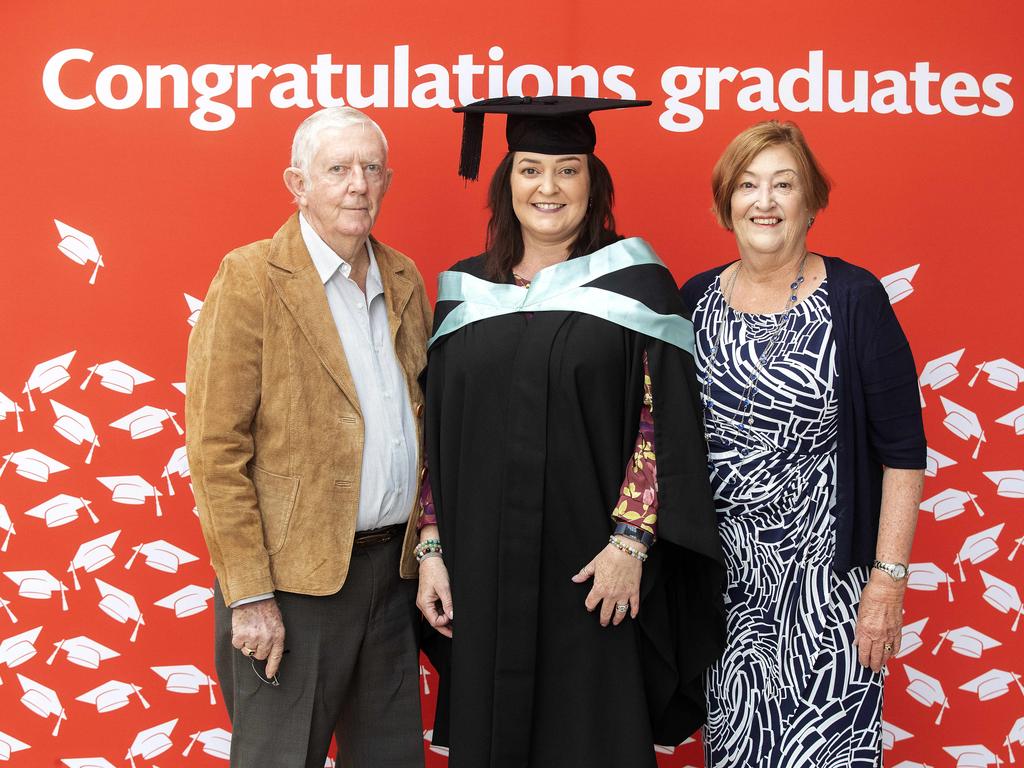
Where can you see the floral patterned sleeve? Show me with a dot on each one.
(638, 498)
(427, 515)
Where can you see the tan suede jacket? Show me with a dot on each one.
(274, 430)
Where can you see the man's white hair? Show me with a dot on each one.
(307, 137)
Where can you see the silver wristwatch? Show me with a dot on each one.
(896, 571)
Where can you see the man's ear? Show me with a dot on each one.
(296, 182)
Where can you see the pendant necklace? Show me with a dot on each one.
(773, 349)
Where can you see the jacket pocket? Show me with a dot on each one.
(276, 496)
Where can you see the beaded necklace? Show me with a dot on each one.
(761, 363)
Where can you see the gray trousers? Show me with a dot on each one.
(351, 669)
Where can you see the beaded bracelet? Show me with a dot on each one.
(631, 551)
(426, 548)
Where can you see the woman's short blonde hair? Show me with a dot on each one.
(749, 144)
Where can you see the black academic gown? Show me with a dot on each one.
(530, 424)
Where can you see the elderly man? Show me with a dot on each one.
(303, 420)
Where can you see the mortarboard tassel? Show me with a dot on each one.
(472, 142)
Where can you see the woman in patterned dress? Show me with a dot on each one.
(816, 455)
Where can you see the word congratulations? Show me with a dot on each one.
(215, 92)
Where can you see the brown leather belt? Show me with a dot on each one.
(379, 535)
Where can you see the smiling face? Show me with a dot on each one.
(341, 193)
(769, 214)
(550, 194)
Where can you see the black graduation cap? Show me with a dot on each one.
(550, 125)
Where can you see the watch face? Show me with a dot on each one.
(899, 571)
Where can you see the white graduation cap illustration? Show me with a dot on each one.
(926, 690)
(5, 604)
(966, 641)
(893, 733)
(120, 606)
(151, 742)
(93, 555)
(161, 556)
(187, 601)
(9, 745)
(83, 651)
(899, 284)
(963, 423)
(1002, 596)
(993, 684)
(424, 674)
(61, 510)
(79, 247)
(911, 638)
(1015, 736)
(176, 465)
(48, 375)
(1014, 418)
(32, 465)
(926, 577)
(186, 678)
(180, 386)
(216, 743)
(117, 376)
(6, 527)
(978, 547)
(950, 503)
(1009, 483)
(17, 649)
(132, 489)
(935, 462)
(87, 762)
(1018, 542)
(146, 421)
(42, 700)
(194, 305)
(973, 756)
(112, 695)
(75, 427)
(9, 406)
(38, 585)
(911, 764)
(428, 736)
(1001, 373)
(941, 371)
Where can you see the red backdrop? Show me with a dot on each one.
(927, 162)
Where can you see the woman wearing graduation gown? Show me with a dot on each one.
(567, 511)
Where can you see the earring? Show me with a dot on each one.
(810, 221)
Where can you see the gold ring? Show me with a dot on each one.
(250, 652)
(887, 647)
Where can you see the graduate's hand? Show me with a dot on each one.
(435, 592)
(616, 581)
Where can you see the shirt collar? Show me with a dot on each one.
(327, 262)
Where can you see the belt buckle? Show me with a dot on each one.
(379, 537)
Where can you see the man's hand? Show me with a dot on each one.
(257, 630)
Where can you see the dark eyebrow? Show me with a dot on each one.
(567, 158)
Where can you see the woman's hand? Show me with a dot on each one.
(435, 593)
(616, 582)
(879, 620)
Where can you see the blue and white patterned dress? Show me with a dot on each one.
(788, 691)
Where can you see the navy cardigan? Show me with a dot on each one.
(879, 404)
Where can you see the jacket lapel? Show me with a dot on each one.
(300, 289)
(398, 286)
